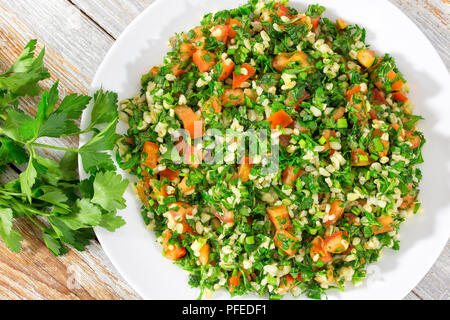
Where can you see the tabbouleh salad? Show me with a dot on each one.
(349, 147)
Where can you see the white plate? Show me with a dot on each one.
(133, 249)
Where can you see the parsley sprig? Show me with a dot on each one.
(48, 193)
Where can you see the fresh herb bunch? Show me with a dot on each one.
(49, 193)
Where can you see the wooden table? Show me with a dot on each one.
(77, 35)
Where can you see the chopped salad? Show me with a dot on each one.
(338, 119)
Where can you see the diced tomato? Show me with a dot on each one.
(339, 113)
(278, 9)
(281, 61)
(286, 284)
(409, 199)
(336, 243)
(341, 24)
(291, 174)
(172, 251)
(247, 71)
(184, 188)
(143, 189)
(305, 20)
(281, 10)
(387, 225)
(251, 93)
(198, 40)
(179, 210)
(366, 57)
(151, 151)
(177, 70)
(360, 158)
(214, 104)
(318, 249)
(301, 57)
(245, 168)
(397, 85)
(204, 60)
(378, 96)
(227, 68)
(225, 216)
(204, 254)
(169, 174)
(187, 51)
(352, 91)
(398, 96)
(282, 237)
(234, 281)
(233, 23)
(285, 140)
(154, 71)
(315, 22)
(279, 217)
(220, 32)
(413, 139)
(335, 213)
(280, 118)
(233, 97)
(191, 122)
(159, 191)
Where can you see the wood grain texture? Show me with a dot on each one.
(432, 17)
(35, 273)
(70, 27)
(112, 15)
(436, 284)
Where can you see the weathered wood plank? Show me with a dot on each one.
(432, 17)
(65, 40)
(412, 296)
(35, 273)
(436, 284)
(112, 15)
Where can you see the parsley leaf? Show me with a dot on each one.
(109, 198)
(92, 153)
(10, 236)
(105, 108)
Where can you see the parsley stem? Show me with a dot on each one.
(53, 147)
